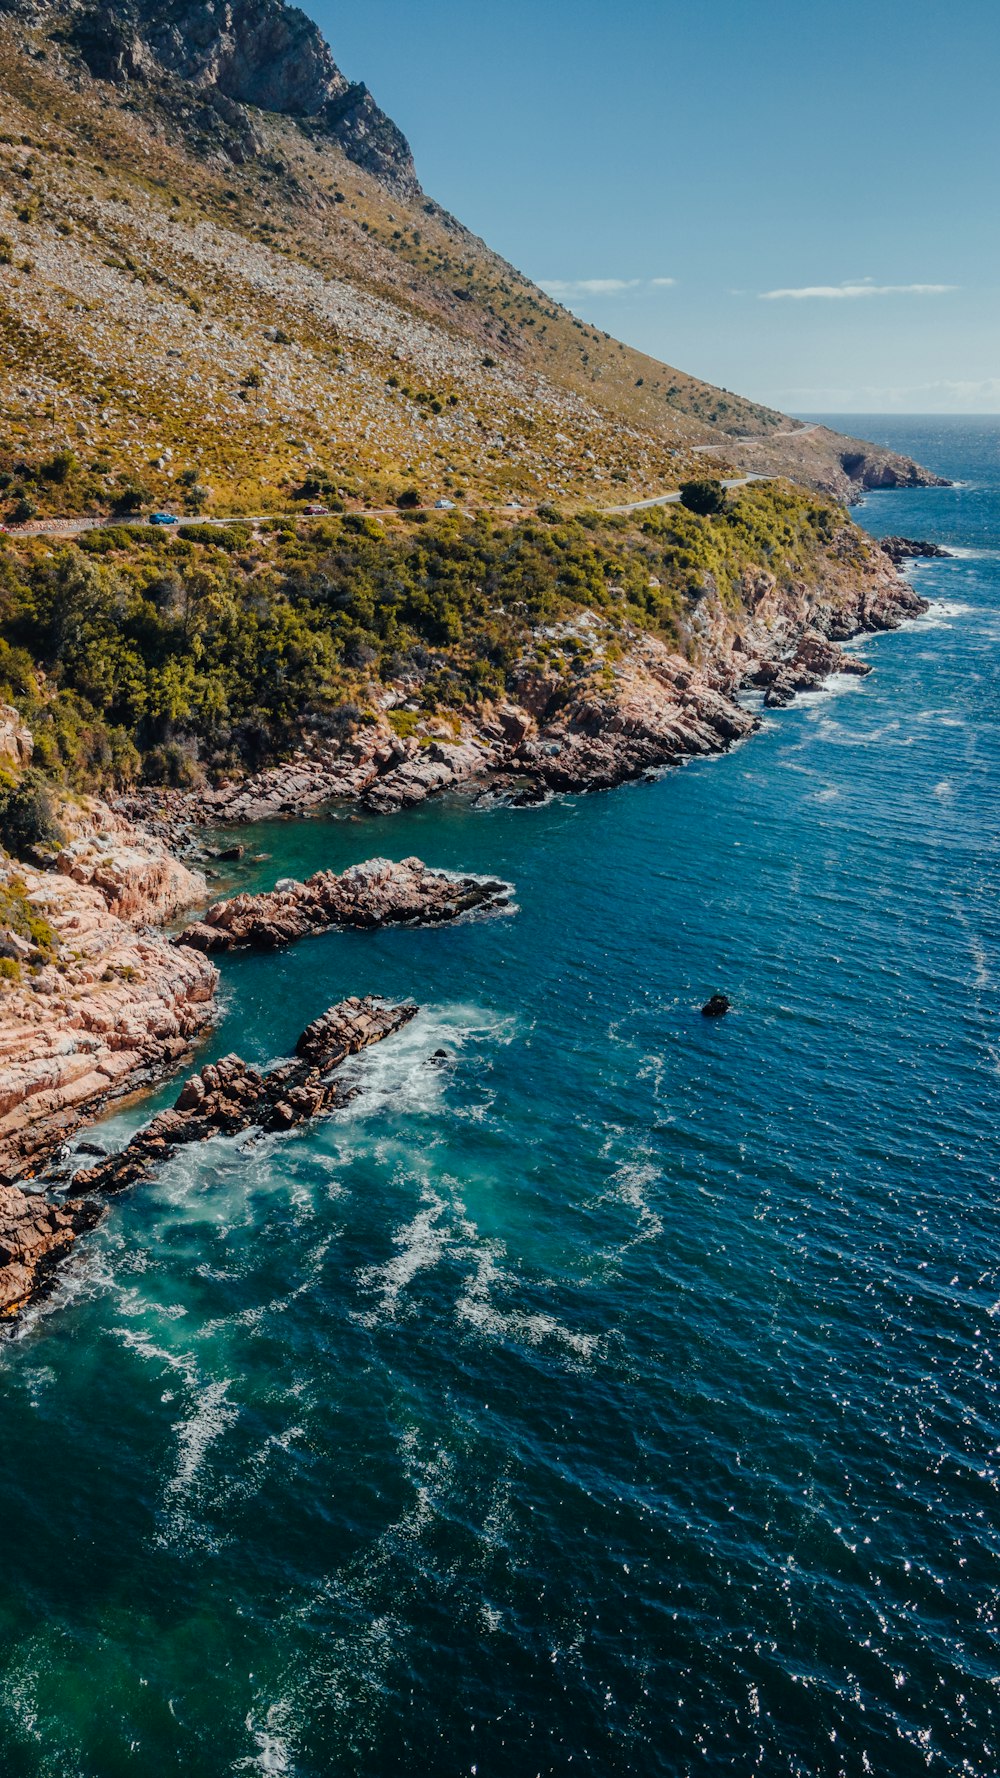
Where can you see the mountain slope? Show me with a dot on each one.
(222, 285)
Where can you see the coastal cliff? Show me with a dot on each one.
(588, 702)
(103, 1003)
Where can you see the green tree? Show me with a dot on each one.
(705, 497)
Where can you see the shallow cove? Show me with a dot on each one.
(620, 1392)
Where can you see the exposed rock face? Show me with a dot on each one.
(228, 1097)
(238, 53)
(138, 878)
(35, 1235)
(873, 468)
(814, 660)
(377, 893)
(16, 742)
(37, 1232)
(119, 1005)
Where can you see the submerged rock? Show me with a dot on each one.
(377, 893)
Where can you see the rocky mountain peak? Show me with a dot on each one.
(235, 54)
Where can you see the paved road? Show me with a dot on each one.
(75, 527)
(742, 481)
(760, 437)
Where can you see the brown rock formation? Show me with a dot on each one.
(117, 1005)
(376, 893)
(37, 1232)
(35, 1235)
(227, 1097)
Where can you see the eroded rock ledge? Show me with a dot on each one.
(109, 1005)
(35, 1236)
(226, 1098)
(376, 893)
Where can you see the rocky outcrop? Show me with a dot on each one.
(228, 1097)
(870, 468)
(37, 1232)
(814, 660)
(633, 702)
(114, 1006)
(717, 1007)
(377, 893)
(35, 1236)
(231, 54)
(904, 549)
(136, 875)
(16, 741)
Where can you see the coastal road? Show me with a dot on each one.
(759, 437)
(75, 527)
(742, 481)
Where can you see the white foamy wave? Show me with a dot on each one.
(479, 1308)
(940, 615)
(420, 1246)
(211, 1415)
(272, 1752)
(834, 687)
(404, 1074)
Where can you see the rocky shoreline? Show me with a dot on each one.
(37, 1232)
(628, 703)
(119, 1003)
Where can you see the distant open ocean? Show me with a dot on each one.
(623, 1396)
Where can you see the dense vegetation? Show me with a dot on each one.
(144, 654)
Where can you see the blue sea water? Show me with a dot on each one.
(623, 1395)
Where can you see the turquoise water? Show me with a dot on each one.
(622, 1395)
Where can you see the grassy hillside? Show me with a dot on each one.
(184, 319)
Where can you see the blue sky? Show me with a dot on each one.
(796, 201)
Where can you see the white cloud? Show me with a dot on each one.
(566, 288)
(864, 287)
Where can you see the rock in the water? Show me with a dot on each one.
(717, 1007)
(228, 1097)
(377, 893)
(904, 549)
(35, 1234)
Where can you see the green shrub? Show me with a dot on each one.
(404, 723)
(227, 537)
(705, 497)
(27, 813)
(59, 468)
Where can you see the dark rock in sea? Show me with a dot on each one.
(904, 549)
(91, 1148)
(231, 855)
(717, 1007)
(377, 893)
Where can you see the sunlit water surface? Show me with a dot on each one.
(621, 1395)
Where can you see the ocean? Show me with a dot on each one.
(621, 1393)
